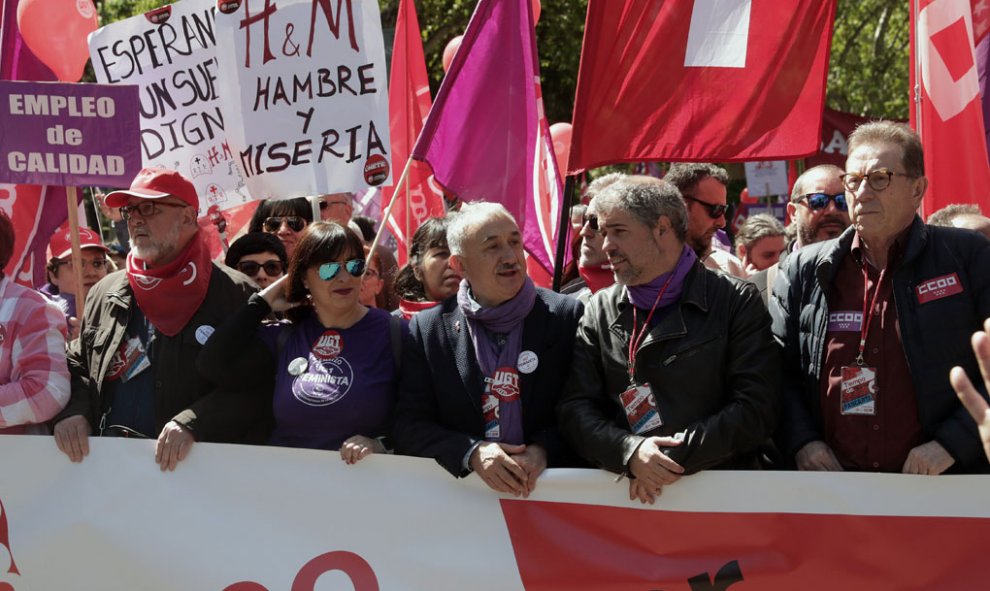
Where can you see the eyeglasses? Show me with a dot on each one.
(714, 211)
(147, 209)
(371, 273)
(295, 223)
(591, 220)
(96, 263)
(272, 268)
(330, 270)
(878, 180)
(819, 201)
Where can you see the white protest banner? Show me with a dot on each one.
(174, 62)
(767, 178)
(242, 518)
(305, 94)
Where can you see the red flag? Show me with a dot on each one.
(729, 80)
(36, 211)
(950, 116)
(409, 104)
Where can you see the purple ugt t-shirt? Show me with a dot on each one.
(346, 386)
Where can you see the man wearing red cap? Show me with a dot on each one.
(133, 367)
(61, 287)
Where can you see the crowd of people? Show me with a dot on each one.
(663, 355)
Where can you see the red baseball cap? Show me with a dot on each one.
(61, 242)
(155, 183)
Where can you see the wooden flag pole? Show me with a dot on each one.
(388, 212)
(73, 207)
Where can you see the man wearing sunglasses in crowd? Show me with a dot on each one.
(818, 210)
(870, 324)
(133, 365)
(703, 187)
(594, 270)
(337, 207)
(258, 255)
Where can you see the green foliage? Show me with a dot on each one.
(868, 71)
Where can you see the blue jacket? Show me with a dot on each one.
(935, 335)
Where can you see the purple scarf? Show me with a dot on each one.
(643, 296)
(507, 318)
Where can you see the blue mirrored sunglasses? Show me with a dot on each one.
(819, 201)
(330, 270)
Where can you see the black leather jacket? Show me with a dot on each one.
(711, 362)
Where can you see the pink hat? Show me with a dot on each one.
(61, 242)
(155, 183)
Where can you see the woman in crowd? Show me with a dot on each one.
(335, 375)
(258, 255)
(427, 279)
(286, 219)
(376, 287)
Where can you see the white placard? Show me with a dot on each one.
(306, 94)
(767, 178)
(174, 63)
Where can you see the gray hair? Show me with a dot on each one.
(898, 134)
(758, 227)
(470, 216)
(798, 190)
(599, 184)
(946, 215)
(686, 175)
(647, 199)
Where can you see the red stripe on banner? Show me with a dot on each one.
(573, 546)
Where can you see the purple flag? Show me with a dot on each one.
(36, 211)
(982, 57)
(486, 136)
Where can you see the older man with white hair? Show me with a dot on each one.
(484, 369)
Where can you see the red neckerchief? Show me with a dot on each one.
(597, 277)
(409, 309)
(170, 295)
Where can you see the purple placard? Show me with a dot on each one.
(69, 134)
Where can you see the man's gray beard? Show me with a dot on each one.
(157, 250)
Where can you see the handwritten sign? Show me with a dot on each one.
(306, 95)
(68, 134)
(171, 56)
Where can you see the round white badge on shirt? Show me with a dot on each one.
(203, 333)
(298, 365)
(528, 362)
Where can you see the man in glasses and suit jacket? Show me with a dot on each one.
(483, 371)
(870, 323)
(703, 187)
(134, 365)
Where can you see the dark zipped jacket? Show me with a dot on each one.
(710, 360)
(935, 335)
(213, 413)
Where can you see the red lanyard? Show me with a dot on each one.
(635, 341)
(867, 312)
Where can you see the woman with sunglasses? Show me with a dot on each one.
(286, 219)
(258, 255)
(333, 363)
(427, 279)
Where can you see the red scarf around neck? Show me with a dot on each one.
(170, 295)
(597, 277)
(410, 309)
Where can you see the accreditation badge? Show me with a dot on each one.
(858, 391)
(641, 408)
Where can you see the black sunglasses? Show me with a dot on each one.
(250, 268)
(295, 223)
(591, 220)
(330, 270)
(714, 211)
(819, 201)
